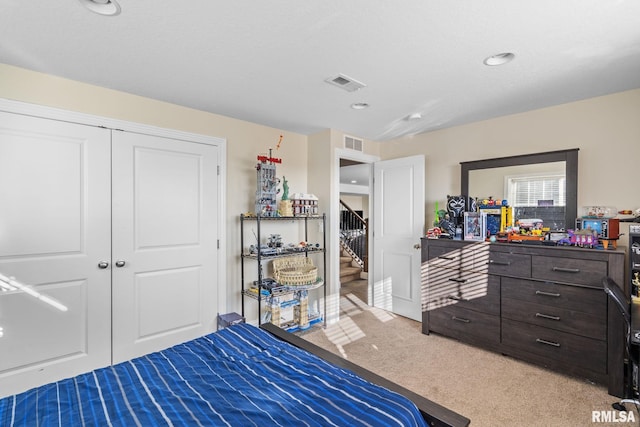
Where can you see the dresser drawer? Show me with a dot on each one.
(523, 338)
(465, 289)
(569, 270)
(561, 319)
(448, 257)
(586, 300)
(435, 251)
(460, 323)
(508, 264)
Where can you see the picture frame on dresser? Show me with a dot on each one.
(474, 226)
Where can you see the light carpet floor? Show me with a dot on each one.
(490, 389)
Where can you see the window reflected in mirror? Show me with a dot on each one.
(534, 191)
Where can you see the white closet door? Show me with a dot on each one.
(55, 218)
(165, 194)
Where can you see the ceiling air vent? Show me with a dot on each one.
(346, 83)
(352, 143)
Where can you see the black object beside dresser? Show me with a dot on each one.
(541, 304)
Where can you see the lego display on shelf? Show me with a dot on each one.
(598, 212)
(294, 271)
(267, 183)
(285, 207)
(304, 204)
(292, 297)
(629, 215)
(634, 261)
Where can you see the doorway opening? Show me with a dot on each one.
(354, 228)
(352, 166)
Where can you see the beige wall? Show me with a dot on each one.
(245, 141)
(606, 130)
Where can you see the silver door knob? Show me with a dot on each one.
(416, 246)
(103, 264)
(120, 263)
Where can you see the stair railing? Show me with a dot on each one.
(354, 235)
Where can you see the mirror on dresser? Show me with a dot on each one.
(480, 178)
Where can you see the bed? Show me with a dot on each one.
(239, 376)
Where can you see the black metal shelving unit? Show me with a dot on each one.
(634, 263)
(259, 257)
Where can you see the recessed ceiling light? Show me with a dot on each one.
(359, 105)
(499, 59)
(102, 7)
(414, 116)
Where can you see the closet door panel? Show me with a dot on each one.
(165, 230)
(54, 230)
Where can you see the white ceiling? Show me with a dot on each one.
(355, 175)
(266, 61)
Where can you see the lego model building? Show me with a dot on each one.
(267, 183)
(499, 215)
(285, 206)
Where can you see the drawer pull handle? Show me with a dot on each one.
(458, 280)
(547, 316)
(457, 298)
(551, 343)
(547, 294)
(499, 262)
(566, 270)
(460, 319)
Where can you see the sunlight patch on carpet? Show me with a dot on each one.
(344, 332)
(382, 315)
(352, 305)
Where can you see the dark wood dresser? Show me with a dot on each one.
(542, 304)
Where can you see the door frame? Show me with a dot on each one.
(18, 107)
(342, 153)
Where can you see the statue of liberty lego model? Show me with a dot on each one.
(285, 207)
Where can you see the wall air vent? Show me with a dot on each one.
(352, 143)
(345, 82)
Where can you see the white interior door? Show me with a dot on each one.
(398, 204)
(165, 193)
(55, 199)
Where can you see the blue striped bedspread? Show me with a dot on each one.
(238, 376)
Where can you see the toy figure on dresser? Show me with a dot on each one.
(456, 206)
(586, 238)
(442, 226)
(472, 204)
(447, 226)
